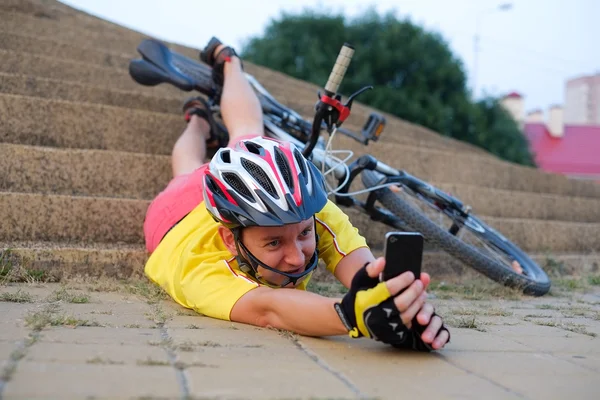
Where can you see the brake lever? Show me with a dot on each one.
(336, 112)
(355, 94)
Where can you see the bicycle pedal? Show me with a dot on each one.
(373, 127)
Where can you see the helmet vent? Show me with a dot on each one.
(226, 157)
(300, 160)
(284, 168)
(210, 182)
(261, 177)
(236, 183)
(254, 148)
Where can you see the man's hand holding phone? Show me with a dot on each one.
(402, 274)
(429, 332)
(388, 304)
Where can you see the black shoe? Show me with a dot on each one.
(199, 107)
(217, 62)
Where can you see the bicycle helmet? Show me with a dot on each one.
(262, 182)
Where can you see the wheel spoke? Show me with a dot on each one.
(444, 221)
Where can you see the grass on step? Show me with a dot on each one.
(14, 268)
(67, 296)
(20, 296)
(50, 315)
(473, 289)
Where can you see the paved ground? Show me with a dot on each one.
(108, 340)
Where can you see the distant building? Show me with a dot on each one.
(514, 103)
(563, 148)
(582, 100)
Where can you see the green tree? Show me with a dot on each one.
(415, 74)
(498, 132)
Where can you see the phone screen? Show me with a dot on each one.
(403, 252)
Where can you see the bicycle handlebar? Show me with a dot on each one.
(339, 69)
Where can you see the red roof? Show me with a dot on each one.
(516, 95)
(576, 153)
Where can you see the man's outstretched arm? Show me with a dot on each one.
(313, 315)
(294, 310)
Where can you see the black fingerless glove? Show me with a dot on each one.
(368, 309)
(414, 340)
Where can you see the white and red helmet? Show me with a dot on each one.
(262, 182)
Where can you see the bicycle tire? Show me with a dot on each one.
(537, 284)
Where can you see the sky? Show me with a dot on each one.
(533, 47)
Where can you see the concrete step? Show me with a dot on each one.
(80, 30)
(70, 218)
(531, 235)
(43, 46)
(34, 169)
(79, 92)
(67, 70)
(75, 172)
(97, 31)
(277, 83)
(80, 125)
(54, 71)
(538, 235)
(518, 204)
(280, 85)
(91, 126)
(42, 9)
(54, 218)
(60, 261)
(67, 29)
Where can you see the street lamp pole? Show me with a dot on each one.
(476, 39)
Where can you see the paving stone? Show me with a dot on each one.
(128, 314)
(263, 382)
(472, 340)
(259, 371)
(381, 371)
(55, 380)
(12, 321)
(231, 335)
(587, 360)
(94, 335)
(565, 342)
(260, 359)
(6, 349)
(97, 354)
(536, 375)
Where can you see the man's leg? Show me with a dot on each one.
(189, 152)
(240, 108)
(241, 113)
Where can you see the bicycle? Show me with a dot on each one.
(394, 198)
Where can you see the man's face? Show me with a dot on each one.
(286, 248)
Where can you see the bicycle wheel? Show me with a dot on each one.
(478, 245)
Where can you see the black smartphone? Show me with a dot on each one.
(403, 252)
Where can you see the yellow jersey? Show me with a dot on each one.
(192, 264)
